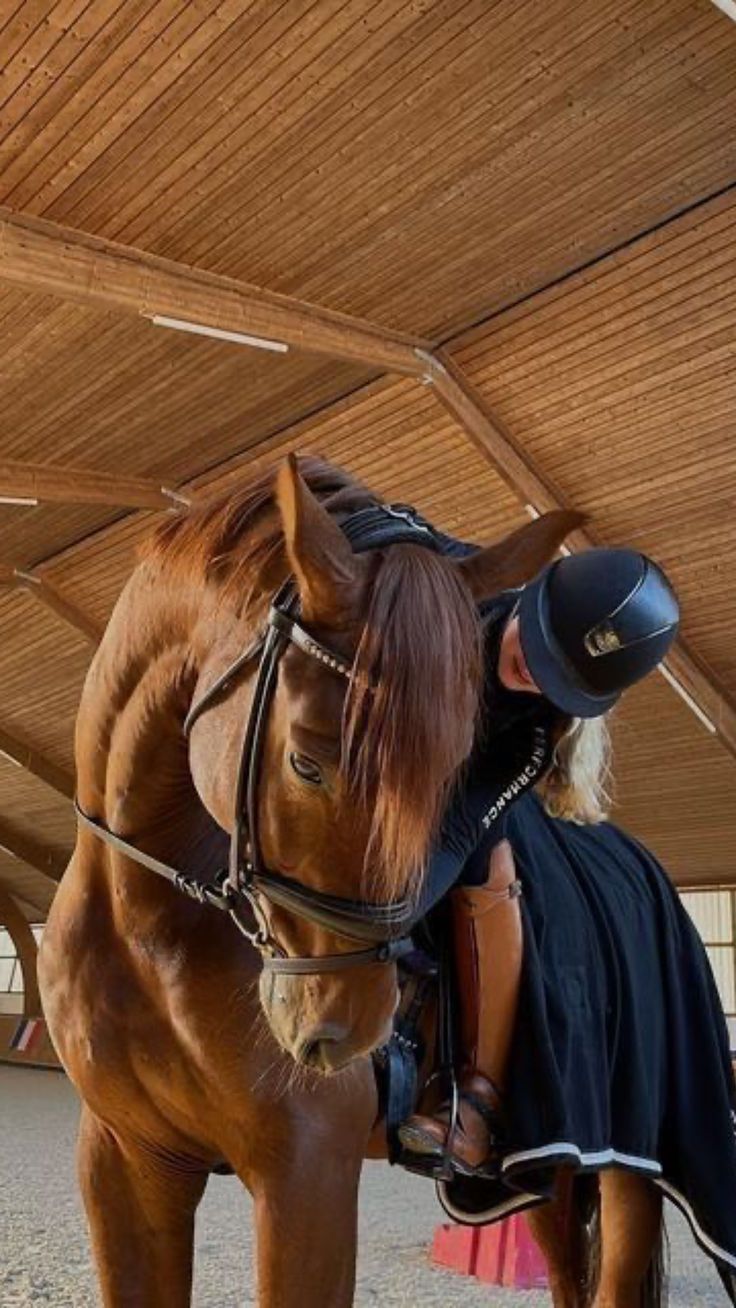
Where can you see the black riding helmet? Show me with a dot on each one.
(592, 624)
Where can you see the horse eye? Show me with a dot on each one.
(306, 768)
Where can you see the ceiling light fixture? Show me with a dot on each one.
(219, 333)
(694, 707)
(24, 500)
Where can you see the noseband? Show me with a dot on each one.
(382, 928)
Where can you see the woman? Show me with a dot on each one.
(559, 653)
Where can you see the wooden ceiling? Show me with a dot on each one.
(417, 162)
(549, 191)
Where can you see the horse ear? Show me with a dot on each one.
(328, 574)
(518, 557)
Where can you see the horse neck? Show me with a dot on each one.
(132, 757)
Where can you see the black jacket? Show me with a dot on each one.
(513, 751)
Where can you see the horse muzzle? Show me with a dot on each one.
(320, 1030)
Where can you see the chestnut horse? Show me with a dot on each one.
(183, 1061)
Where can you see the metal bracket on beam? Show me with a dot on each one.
(178, 499)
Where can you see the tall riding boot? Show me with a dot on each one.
(488, 955)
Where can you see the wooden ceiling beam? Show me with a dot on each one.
(45, 257)
(460, 398)
(36, 483)
(25, 756)
(34, 911)
(58, 601)
(26, 850)
(695, 682)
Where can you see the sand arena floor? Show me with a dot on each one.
(45, 1260)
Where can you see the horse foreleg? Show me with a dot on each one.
(140, 1211)
(631, 1222)
(306, 1212)
(557, 1230)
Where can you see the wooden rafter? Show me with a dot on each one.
(32, 852)
(33, 910)
(56, 260)
(457, 394)
(37, 483)
(42, 256)
(58, 601)
(461, 399)
(26, 756)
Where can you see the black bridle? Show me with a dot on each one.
(382, 928)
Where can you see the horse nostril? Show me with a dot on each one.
(322, 1049)
(309, 1053)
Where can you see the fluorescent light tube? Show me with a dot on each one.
(24, 500)
(219, 333)
(684, 694)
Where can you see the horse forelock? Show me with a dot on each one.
(411, 710)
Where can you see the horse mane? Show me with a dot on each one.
(234, 537)
(414, 696)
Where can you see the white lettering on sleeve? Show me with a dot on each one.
(520, 783)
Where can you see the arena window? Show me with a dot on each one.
(11, 974)
(714, 915)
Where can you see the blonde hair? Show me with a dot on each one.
(577, 785)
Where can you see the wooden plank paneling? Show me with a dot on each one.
(33, 809)
(32, 892)
(414, 164)
(84, 388)
(22, 754)
(621, 386)
(675, 785)
(46, 258)
(675, 782)
(392, 435)
(32, 852)
(523, 475)
(44, 663)
(423, 166)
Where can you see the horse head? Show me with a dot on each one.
(355, 770)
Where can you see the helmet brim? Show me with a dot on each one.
(547, 662)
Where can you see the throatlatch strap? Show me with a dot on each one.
(203, 891)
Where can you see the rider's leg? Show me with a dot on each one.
(488, 950)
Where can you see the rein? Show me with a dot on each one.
(246, 881)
